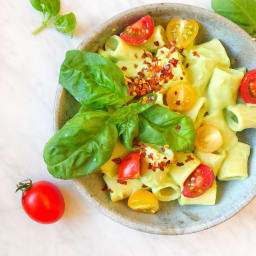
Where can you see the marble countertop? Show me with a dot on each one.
(29, 68)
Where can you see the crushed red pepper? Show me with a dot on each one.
(177, 128)
(195, 53)
(144, 186)
(124, 68)
(110, 190)
(105, 188)
(187, 65)
(189, 158)
(117, 160)
(156, 43)
(179, 164)
(122, 182)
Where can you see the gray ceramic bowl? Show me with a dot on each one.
(232, 196)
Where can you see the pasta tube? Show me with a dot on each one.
(235, 167)
(241, 116)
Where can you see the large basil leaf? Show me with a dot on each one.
(159, 125)
(242, 12)
(127, 120)
(81, 146)
(92, 79)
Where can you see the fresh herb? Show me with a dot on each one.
(242, 12)
(81, 146)
(50, 9)
(65, 23)
(93, 80)
(161, 126)
(127, 120)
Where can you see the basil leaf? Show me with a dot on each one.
(127, 120)
(81, 146)
(242, 12)
(92, 79)
(65, 23)
(160, 126)
(49, 7)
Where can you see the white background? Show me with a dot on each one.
(29, 68)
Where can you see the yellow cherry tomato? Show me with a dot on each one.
(183, 32)
(143, 201)
(181, 97)
(209, 138)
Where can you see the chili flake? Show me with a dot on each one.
(102, 174)
(189, 158)
(150, 166)
(177, 128)
(117, 160)
(178, 102)
(156, 43)
(124, 68)
(162, 149)
(135, 65)
(144, 186)
(123, 182)
(174, 62)
(143, 154)
(104, 188)
(179, 164)
(150, 156)
(136, 56)
(187, 65)
(195, 53)
(110, 190)
(181, 78)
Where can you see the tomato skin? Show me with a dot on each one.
(139, 32)
(181, 97)
(43, 202)
(248, 87)
(182, 32)
(209, 138)
(198, 182)
(129, 167)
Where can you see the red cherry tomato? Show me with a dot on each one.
(139, 32)
(198, 182)
(129, 168)
(42, 201)
(248, 87)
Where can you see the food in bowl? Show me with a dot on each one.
(158, 116)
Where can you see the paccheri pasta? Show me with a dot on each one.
(173, 125)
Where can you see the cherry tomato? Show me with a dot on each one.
(182, 32)
(248, 87)
(143, 201)
(198, 182)
(129, 167)
(181, 97)
(139, 32)
(209, 138)
(42, 201)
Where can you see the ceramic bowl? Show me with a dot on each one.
(232, 196)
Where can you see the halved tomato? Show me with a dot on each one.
(248, 87)
(181, 97)
(209, 138)
(129, 167)
(182, 32)
(198, 182)
(143, 201)
(139, 32)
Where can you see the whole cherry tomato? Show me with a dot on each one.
(42, 201)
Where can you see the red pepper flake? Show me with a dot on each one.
(172, 50)
(123, 182)
(162, 149)
(187, 65)
(143, 154)
(124, 68)
(150, 166)
(105, 188)
(102, 174)
(165, 158)
(162, 165)
(117, 160)
(141, 74)
(174, 62)
(195, 53)
(189, 158)
(110, 190)
(168, 162)
(183, 73)
(177, 128)
(136, 56)
(162, 51)
(178, 102)
(179, 164)
(150, 156)
(135, 65)
(144, 186)
(156, 43)
(181, 51)
(181, 78)
(136, 143)
(144, 55)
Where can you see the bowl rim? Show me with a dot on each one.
(118, 218)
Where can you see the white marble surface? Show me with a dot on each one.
(28, 78)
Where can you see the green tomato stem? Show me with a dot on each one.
(39, 29)
(24, 185)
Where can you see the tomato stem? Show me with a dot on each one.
(24, 185)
